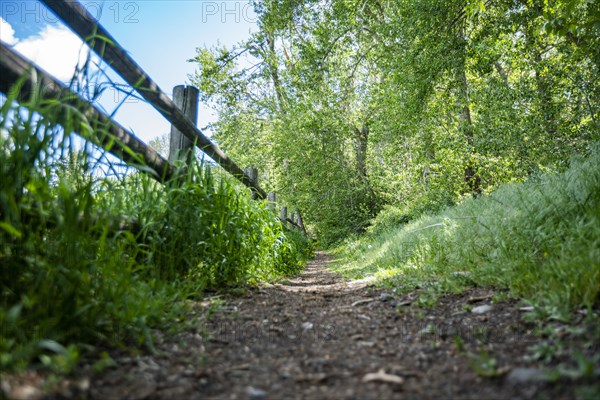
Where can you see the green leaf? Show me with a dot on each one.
(11, 230)
(14, 313)
(52, 346)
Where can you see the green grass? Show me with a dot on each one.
(539, 240)
(72, 281)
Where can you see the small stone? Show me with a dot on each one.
(365, 344)
(307, 326)
(382, 376)
(83, 385)
(317, 362)
(383, 297)
(255, 393)
(26, 392)
(525, 375)
(482, 309)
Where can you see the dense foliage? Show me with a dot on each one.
(349, 106)
(91, 253)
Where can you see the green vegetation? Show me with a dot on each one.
(539, 239)
(93, 256)
(206, 231)
(436, 144)
(349, 107)
(432, 141)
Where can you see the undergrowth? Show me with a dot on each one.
(94, 259)
(539, 240)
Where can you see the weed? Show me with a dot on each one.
(105, 362)
(459, 345)
(546, 351)
(484, 365)
(585, 368)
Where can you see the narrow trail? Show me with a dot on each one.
(318, 336)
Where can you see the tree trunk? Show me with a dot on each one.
(546, 103)
(472, 179)
(273, 70)
(536, 46)
(501, 71)
(361, 141)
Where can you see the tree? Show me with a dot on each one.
(349, 105)
(160, 144)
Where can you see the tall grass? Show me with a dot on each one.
(539, 239)
(204, 229)
(72, 274)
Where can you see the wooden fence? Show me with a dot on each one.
(181, 112)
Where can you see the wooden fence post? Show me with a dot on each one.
(293, 217)
(272, 199)
(180, 147)
(283, 216)
(300, 222)
(253, 175)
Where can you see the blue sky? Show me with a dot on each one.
(161, 35)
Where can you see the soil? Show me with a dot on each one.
(319, 336)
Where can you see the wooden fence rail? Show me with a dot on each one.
(121, 143)
(90, 31)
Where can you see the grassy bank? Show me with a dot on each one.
(74, 277)
(538, 240)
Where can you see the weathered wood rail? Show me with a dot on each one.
(112, 137)
(101, 41)
(181, 112)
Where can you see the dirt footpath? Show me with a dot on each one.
(318, 336)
